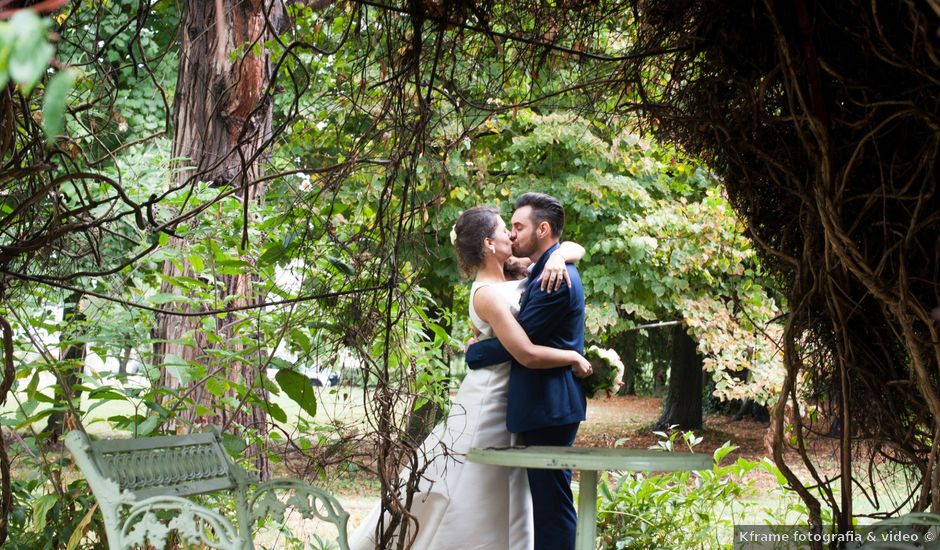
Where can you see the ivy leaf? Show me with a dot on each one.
(53, 107)
(299, 389)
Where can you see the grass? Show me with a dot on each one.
(334, 404)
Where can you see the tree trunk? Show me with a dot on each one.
(752, 410)
(625, 346)
(658, 342)
(683, 404)
(222, 120)
(124, 358)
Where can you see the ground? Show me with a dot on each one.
(629, 418)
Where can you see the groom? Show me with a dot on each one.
(545, 406)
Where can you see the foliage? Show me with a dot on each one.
(385, 124)
(640, 511)
(67, 518)
(663, 242)
(25, 53)
(643, 511)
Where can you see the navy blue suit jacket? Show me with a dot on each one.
(539, 398)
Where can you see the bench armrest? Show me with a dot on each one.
(273, 498)
(193, 524)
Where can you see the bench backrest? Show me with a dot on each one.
(177, 465)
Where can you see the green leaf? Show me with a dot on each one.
(31, 51)
(104, 393)
(148, 426)
(233, 444)
(53, 106)
(196, 261)
(216, 386)
(300, 338)
(276, 412)
(722, 451)
(32, 386)
(41, 508)
(273, 253)
(39, 416)
(7, 37)
(179, 368)
(342, 266)
(299, 389)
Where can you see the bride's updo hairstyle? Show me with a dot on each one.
(474, 225)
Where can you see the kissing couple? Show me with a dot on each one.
(521, 389)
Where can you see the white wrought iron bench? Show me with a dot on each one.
(142, 488)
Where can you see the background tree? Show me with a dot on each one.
(663, 246)
(222, 132)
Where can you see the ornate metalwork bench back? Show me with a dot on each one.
(141, 486)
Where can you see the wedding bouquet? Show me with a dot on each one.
(607, 375)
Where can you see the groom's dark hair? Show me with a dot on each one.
(545, 208)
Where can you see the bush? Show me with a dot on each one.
(674, 510)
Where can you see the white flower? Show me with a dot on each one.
(608, 372)
(453, 235)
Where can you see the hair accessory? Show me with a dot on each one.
(453, 234)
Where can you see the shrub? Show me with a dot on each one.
(677, 509)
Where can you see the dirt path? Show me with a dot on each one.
(629, 418)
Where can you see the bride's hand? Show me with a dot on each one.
(554, 273)
(582, 369)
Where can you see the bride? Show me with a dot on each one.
(459, 504)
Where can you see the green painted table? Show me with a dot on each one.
(589, 461)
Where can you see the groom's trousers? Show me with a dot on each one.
(552, 501)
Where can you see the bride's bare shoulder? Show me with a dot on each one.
(486, 297)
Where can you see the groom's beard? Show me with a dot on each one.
(524, 249)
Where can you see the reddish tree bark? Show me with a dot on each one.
(222, 123)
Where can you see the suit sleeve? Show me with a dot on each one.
(540, 318)
(486, 353)
(544, 313)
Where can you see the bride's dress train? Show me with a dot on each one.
(461, 505)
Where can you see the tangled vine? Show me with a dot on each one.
(822, 120)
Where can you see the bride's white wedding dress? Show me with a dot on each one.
(462, 505)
